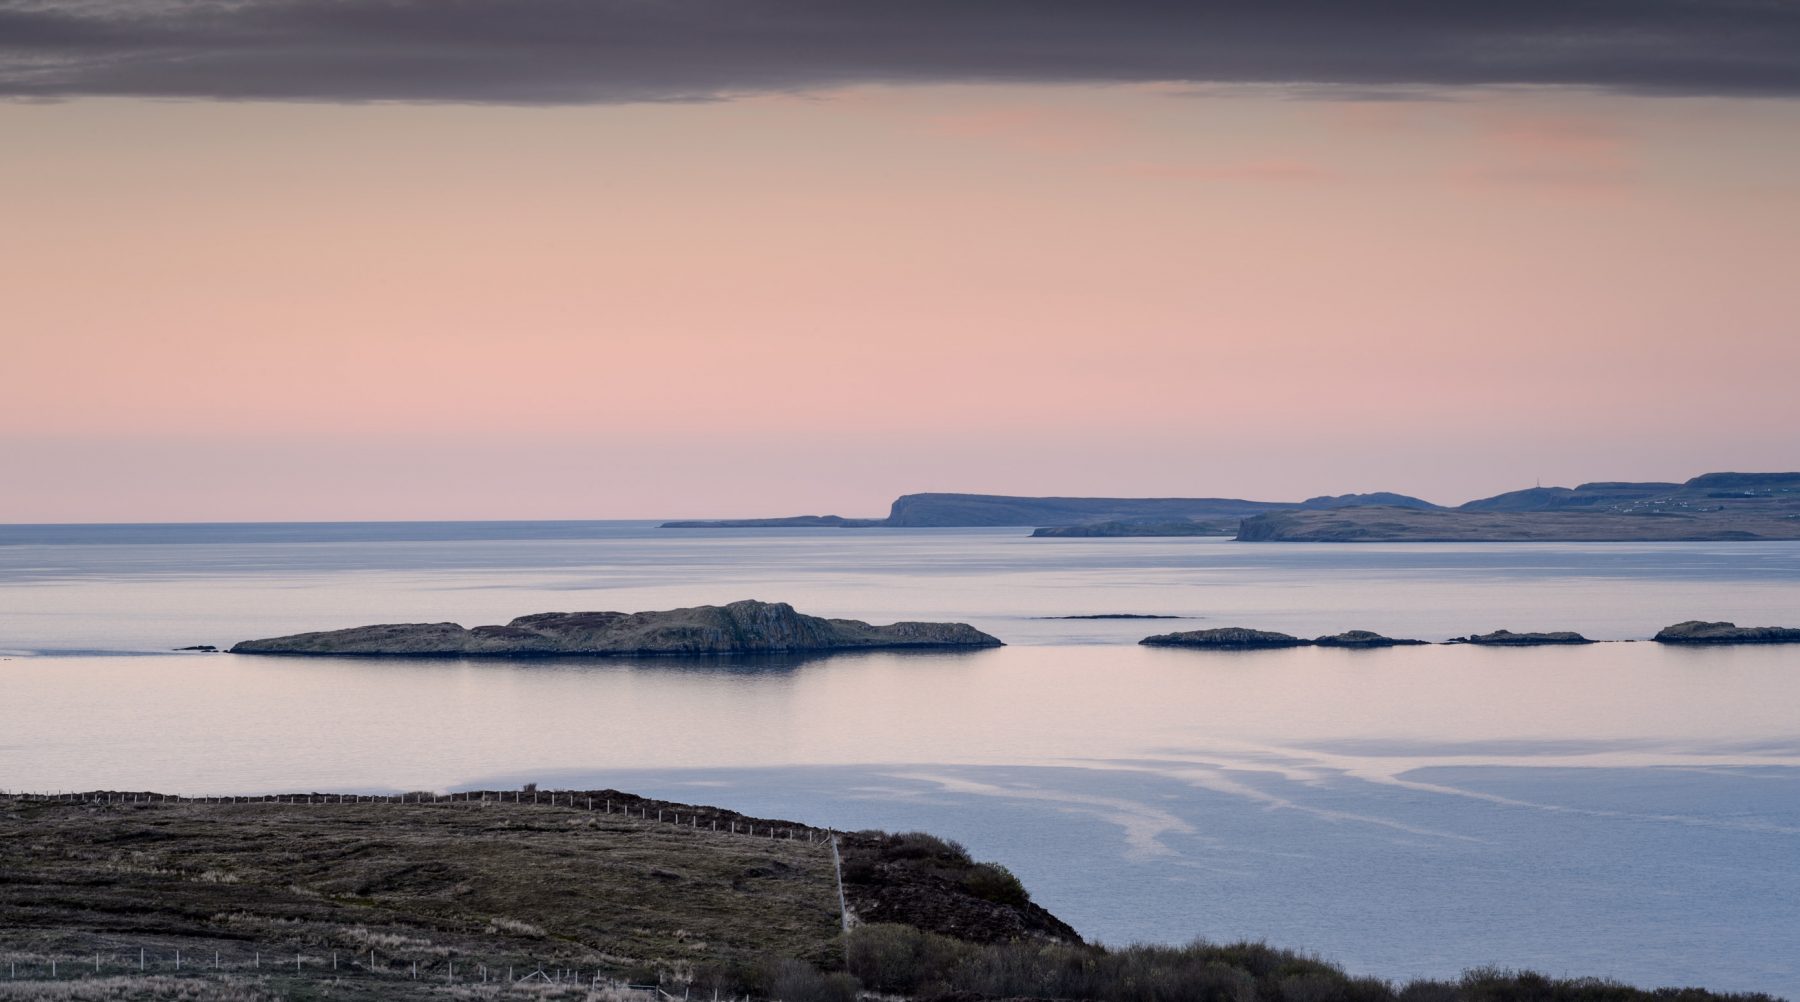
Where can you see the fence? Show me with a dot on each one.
(338, 965)
(343, 964)
(574, 800)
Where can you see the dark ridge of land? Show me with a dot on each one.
(788, 522)
(1186, 527)
(1696, 632)
(964, 510)
(747, 627)
(1709, 507)
(1396, 525)
(1713, 507)
(1383, 498)
(423, 897)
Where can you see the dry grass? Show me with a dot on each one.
(433, 884)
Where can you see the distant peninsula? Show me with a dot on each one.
(748, 627)
(966, 510)
(1712, 507)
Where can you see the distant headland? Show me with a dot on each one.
(1710, 507)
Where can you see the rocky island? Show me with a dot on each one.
(1695, 632)
(747, 627)
(1365, 640)
(1237, 638)
(1507, 638)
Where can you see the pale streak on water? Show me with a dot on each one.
(1625, 809)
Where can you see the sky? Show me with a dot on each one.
(348, 259)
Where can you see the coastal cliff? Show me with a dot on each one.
(747, 627)
(933, 510)
(1709, 507)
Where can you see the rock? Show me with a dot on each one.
(1507, 638)
(1232, 638)
(1363, 639)
(1695, 632)
(1120, 615)
(198, 647)
(739, 628)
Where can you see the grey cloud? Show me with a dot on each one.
(595, 51)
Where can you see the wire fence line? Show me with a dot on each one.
(287, 963)
(734, 824)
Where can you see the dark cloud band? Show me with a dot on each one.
(592, 51)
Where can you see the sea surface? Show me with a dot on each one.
(1623, 810)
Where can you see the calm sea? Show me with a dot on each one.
(1623, 810)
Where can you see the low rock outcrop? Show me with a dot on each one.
(1363, 640)
(747, 627)
(1507, 638)
(1237, 638)
(932, 884)
(1229, 638)
(1696, 632)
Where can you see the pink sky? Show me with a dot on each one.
(780, 305)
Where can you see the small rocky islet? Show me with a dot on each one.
(1237, 638)
(1696, 632)
(747, 627)
(1507, 638)
(1693, 632)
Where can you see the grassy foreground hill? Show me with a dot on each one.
(581, 895)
